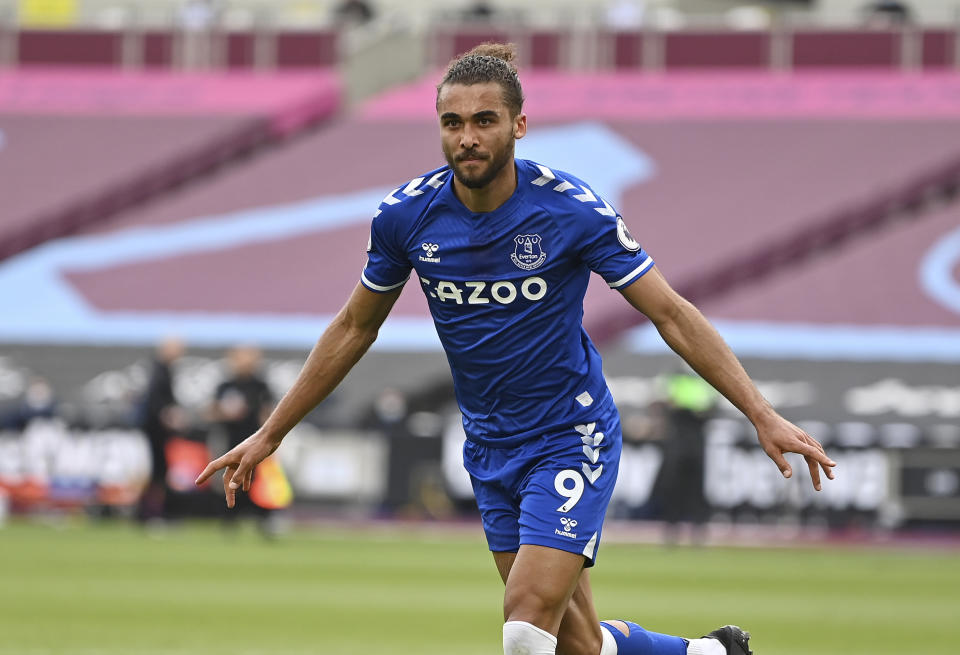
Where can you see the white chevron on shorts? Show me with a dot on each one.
(547, 176)
(411, 189)
(591, 474)
(586, 428)
(592, 454)
(592, 441)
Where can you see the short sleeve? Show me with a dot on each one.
(387, 267)
(610, 250)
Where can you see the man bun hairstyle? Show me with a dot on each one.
(488, 62)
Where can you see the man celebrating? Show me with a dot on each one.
(503, 250)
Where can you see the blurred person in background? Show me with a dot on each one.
(625, 15)
(161, 418)
(414, 483)
(353, 13)
(503, 249)
(198, 20)
(887, 14)
(388, 416)
(198, 15)
(38, 402)
(241, 404)
(679, 487)
(480, 11)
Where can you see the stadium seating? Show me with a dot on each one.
(682, 157)
(81, 146)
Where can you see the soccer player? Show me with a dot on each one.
(502, 249)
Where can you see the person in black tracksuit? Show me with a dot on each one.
(160, 418)
(241, 404)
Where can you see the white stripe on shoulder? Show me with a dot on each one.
(377, 287)
(546, 175)
(647, 263)
(411, 188)
(436, 181)
(390, 199)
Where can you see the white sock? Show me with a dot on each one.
(706, 646)
(521, 638)
(609, 646)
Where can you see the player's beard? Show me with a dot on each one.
(496, 162)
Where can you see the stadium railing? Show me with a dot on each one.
(158, 48)
(906, 48)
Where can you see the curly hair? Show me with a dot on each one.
(488, 62)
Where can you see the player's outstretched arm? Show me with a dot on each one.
(342, 344)
(691, 336)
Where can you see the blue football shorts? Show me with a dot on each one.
(550, 491)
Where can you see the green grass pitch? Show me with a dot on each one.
(112, 589)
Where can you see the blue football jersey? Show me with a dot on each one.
(505, 289)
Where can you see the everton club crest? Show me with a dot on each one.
(626, 239)
(528, 254)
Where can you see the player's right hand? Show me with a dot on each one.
(778, 436)
(239, 463)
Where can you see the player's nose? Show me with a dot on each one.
(468, 139)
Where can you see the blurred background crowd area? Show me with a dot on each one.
(305, 14)
(586, 35)
(185, 196)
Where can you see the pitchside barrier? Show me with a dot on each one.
(891, 474)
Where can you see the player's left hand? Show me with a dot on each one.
(239, 463)
(778, 436)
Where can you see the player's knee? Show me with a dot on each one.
(521, 638)
(532, 606)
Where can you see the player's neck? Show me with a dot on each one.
(489, 197)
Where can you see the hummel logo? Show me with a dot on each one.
(429, 249)
(568, 525)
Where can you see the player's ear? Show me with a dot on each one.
(519, 125)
